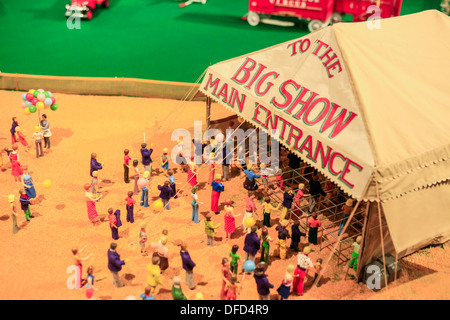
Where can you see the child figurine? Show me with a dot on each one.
(90, 283)
(234, 259)
(314, 225)
(285, 288)
(162, 251)
(177, 293)
(147, 295)
(136, 177)
(250, 209)
(296, 235)
(225, 277)
(267, 209)
(265, 245)
(38, 137)
(16, 169)
(195, 204)
(113, 224)
(28, 183)
(353, 263)
(21, 137)
(232, 288)
(143, 239)
(318, 269)
(126, 166)
(165, 160)
(172, 183)
(210, 230)
(288, 198)
(25, 204)
(217, 188)
(229, 217)
(165, 194)
(14, 215)
(144, 196)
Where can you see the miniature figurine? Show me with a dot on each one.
(147, 295)
(79, 266)
(177, 293)
(314, 225)
(115, 265)
(130, 206)
(229, 217)
(252, 244)
(347, 209)
(315, 189)
(126, 166)
(263, 285)
(296, 235)
(265, 245)
(303, 263)
(288, 198)
(330, 191)
(353, 263)
(28, 183)
(250, 209)
(146, 158)
(217, 188)
(279, 179)
(225, 277)
(45, 128)
(234, 259)
(299, 200)
(212, 169)
(38, 137)
(165, 194)
(232, 288)
(136, 177)
(144, 196)
(95, 165)
(226, 162)
(195, 204)
(94, 183)
(283, 235)
(192, 174)
(285, 288)
(25, 204)
(210, 230)
(21, 138)
(16, 169)
(143, 238)
(250, 182)
(267, 209)
(14, 215)
(172, 183)
(14, 138)
(318, 270)
(113, 224)
(188, 265)
(162, 251)
(165, 160)
(90, 283)
(90, 201)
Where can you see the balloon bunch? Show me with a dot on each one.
(39, 99)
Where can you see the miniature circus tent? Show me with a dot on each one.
(367, 107)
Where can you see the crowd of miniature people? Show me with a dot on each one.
(259, 184)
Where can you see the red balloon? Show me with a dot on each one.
(34, 101)
(53, 100)
(29, 96)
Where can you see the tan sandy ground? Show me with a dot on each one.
(34, 261)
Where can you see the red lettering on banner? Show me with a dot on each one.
(261, 81)
(246, 71)
(330, 164)
(338, 122)
(324, 158)
(347, 170)
(287, 96)
(210, 83)
(307, 145)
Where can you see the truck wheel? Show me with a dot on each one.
(336, 17)
(253, 18)
(314, 25)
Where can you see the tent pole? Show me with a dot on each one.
(381, 234)
(208, 112)
(358, 267)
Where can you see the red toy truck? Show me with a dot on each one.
(84, 8)
(318, 13)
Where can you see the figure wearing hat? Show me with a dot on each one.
(353, 263)
(217, 188)
(303, 263)
(177, 293)
(280, 243)
(38, 137)
(14, 215)
(347, 209)
(165, 160)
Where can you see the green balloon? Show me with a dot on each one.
(32, 109)
(53, 107)
(35, 94)
(46, 94)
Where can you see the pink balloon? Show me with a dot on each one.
(220, 137)
(23, 104)
(53, 100)
(41, 97)
(142, 182)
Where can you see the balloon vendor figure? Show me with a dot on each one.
(14, 215)
(25, 204)
(21, 138)
(45, 129)
(234, 263)
(217, 188)
(38, 137)
(210, 230)
(165, 161)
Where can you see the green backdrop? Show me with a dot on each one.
(148, 39)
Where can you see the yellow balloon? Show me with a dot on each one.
(26, 110)
(249, 222)
(47, 183)
(32, 91)
(158, 205)
(40, 105)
